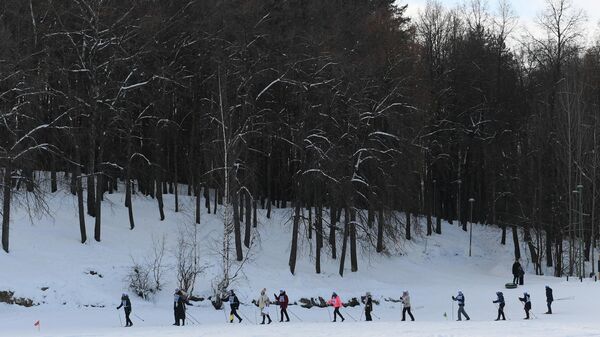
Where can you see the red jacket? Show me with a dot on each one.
(282, 300)
(336, 302)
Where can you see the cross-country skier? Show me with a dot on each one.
(527, 300)
(501, 304)
(180, 301)
(126, 305)
(263, 304)
(336, 301)
(517, 270)
(549, 299)
(368, 307)
(282, 300)
(460, 298)
(405, 299)
(234, 305)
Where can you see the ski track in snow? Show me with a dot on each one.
(47, 254)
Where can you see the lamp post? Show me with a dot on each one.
(471, 201)
(459, 181)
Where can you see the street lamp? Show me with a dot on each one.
(471, 201)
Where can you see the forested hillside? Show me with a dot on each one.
(347, 108)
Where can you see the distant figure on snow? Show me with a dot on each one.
(234, 305)
(282, 300)
(517, 270)
(500, 301)
(368, 307)
(405, 299)
(460, 298)
(180, 301)
(336, 301)
(527, 300)
(126, 305)
(549, 299)
(263, 304)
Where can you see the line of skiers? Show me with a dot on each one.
(180, 301)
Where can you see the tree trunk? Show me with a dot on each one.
(294, 249)
(503, 238)
(91, 191)
(53, 184)
(319, 234)
(236, 228)
(380, 228)
(198, 203)
(79, 190)
(344, 244)
(549, 247)
(98, 210)
(6, 193)
(353, 254)
(407, 231)
(248, 221)
(254, 215)
(207, 198)
(332, 241)
(128, 203)
(516, 242)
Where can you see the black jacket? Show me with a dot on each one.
(125, 302)
(369, 305)
(549, 296)
(517, 269)
(233, 300)
(179, 305)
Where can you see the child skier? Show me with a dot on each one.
(337, 304)
(263, 304)
(549, 299)
(234, 305)
(405, 299)
(368, 307)
(282, 300)
(126, 305)
(460, 298)
(501, 304)
(527, 300)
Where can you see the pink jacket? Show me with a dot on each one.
(336, 302)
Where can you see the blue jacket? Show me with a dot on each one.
(500, 299)
(460, 298)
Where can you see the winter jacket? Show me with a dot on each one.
(233, 300)
(263, 301)
(125, 303)
(369, 305)
(405, 300)
(527, 300)
(517, 269)
(282, 300)
(500, 298)
(549, 296)
(179, 303)
(460, 298)
(335, 301)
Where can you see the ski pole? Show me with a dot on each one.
(361, 315)
(379, 318)
(565, 298)
(419, 307)
(347, 313)
(225, 314)
(120, 320)
(138, 317)
(244, 315)
(291, 312)
(452, 309)
(193, 318)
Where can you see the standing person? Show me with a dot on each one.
(180, 301)
(405, 299)
(234, 305)
(460, 298)
(501, 304)
(527, 300)
(549, 299)
(282, 300)
(263, 304)
(126, 305)
(516, 271)
(368, 307)
(336, 301)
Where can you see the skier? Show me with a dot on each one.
(501, 304)
(368, 307)
(126, 305)
(336, 301)
(527, 300)
(460, 298)
(549, 299)
(282, 300)
(234, 305)
(516, 271)
(405, 299)
(180, 300)
(263, 304)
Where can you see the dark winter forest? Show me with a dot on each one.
(341, 109)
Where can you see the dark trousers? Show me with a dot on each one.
(368, 315)
(461, 311)
(549, 307)
(515, 279)
(407, 310)
(527, 308)
(284, 312)
(501, 312)
(128, 321)
(266, 316)
(336, 312)
(234, 313)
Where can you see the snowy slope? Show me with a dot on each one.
(47, 253)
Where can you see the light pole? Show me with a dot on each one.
(581, 266)
(471, 201)
(458, 202)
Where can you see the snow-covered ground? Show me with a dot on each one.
(47, 254)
